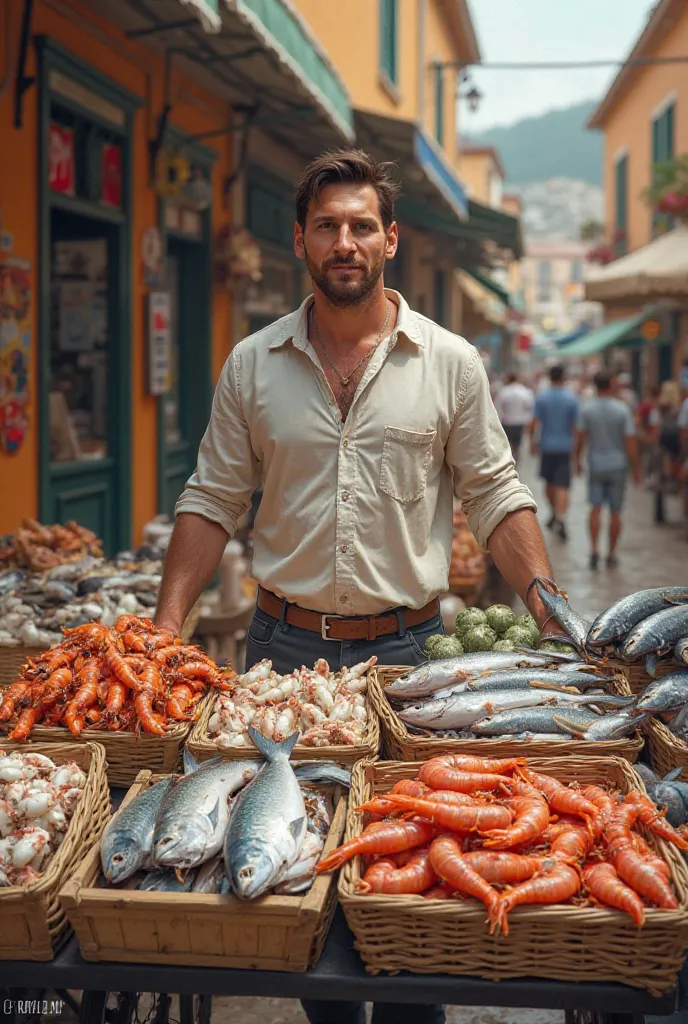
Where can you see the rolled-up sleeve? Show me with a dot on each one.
(485, 477)
(227, 472)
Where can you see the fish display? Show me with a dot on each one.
(38, 547)
(618, 620)
(37, 800)
(127, 841)
(326, 707)
(533, 840)
(657, 634)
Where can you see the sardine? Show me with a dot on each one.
(464, 709)
(193, 818)
(666, 693)
(659, 632)
(558, 607)
(614, 727)
(535, 720)
(530, 676)
(166, 881)
(126, 843)
(440, 674)
(681, 651)
(268, 822)
(623, 615)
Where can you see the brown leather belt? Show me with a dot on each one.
(345, 627)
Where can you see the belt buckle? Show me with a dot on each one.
(324, 626)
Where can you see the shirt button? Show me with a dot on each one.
(343, 599)
(345, 443)
(344, 548)
(345, 496)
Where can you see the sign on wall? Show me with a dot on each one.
(15, 352)
(61, 159)
(111, 175)
(159, 343)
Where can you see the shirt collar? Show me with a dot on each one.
(295, 326)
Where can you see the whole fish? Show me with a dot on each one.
(659, 632)
(679, 723)
(666, 795)
(166, 881)
(614, 727)
(666, 693)
(126, 843)
(541, 737)
(324, 772)
(9, 580)
(299, 876)
(621, 616)
(268, 822)
(464, 709)
(209, 876)
(440, 674)
(193, 818)
(558, 607)
(531, 676)
(534, 720)
(681, 651)
(650, 778)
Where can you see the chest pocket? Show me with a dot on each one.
(406, 458)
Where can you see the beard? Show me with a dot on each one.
(345, 294)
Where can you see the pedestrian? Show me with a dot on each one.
(607, 427)
(667, 432)
(623, 388)
(556, 414)
(647, 447)
(362, 420)
(514, 404)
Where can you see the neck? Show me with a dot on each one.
(347, 325)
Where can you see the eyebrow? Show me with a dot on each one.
(363, 218)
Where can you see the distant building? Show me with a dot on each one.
(552, 290)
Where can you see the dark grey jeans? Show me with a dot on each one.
(288, 648)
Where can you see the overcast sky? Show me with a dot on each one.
(547, 30)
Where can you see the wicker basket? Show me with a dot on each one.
(666, 750)
(191, 622)
(401, 745)
(565, 943)
(12, 659)
(278, 933)
(202, 747)
(638, 678)
(34, 924)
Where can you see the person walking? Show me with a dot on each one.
(362, 420)
(665, 423)
(514, 404)
(607, 427)
(647, 445)
(556, 414)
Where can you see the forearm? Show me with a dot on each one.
(518, 549)
(195, 550)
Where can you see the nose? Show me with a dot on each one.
(345, 243)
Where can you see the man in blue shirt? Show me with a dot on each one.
(556, 414)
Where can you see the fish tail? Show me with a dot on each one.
(268, 748)
(571, 727)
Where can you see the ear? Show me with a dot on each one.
(392, 241)
(299, 247)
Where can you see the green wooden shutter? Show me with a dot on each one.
(388, 38)
(663, 148)
(439, 104)
(621, 204)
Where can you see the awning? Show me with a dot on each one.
(253, 53)
(481, 298)
(657, 269)
(488, 283)
(613, 333)
(567, 339)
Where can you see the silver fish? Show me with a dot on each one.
(323, 772)
(614, 727)
(541, 737)
(666, 693)
(558, 607)
(679, 723)
(166, 881)
(126, 843)
(647, 775)
(659, 632)
(464, 709)
(535, 720)
(209, 876)
(268, 822)
(440, 674)
(529, 676)
(667, 795)
(299, 876)
(193, 818)
(621, 616)
(681, 651)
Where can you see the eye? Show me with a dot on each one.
(364, 227)
(325, 224)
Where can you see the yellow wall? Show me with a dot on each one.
(440, 46)
(90, 38)
(630, 125)
(475, 169)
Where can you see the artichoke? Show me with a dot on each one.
(479, 638)
(444, 647)
(519, 636)
(500, 618)
(506, 646)
(529, 623)
(557, 647)
(469, 618)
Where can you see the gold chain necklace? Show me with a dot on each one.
(345, 379)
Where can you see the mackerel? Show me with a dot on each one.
(535, 720)
(681, 651)
(462, 710)
(558, 607)
(659, 632)
(623, 615)
(664, 694)
(614, 727)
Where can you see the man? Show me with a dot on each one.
(514, 404)
(623, 389)
(556, 413)
(361, 420)
(606, 425)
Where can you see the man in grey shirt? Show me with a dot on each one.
(606, 425)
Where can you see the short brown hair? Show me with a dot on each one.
(344, 167)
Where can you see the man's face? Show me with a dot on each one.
(344, 243)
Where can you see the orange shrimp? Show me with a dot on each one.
(380, 837)
(116, 696)
(150, 679)
(600, 798)
(178, 702)
(449, 864)
(25, 723)
(457, 817)
(562, 799)
(655, 820)
(637, 872)
(532, 818)
(412, 879)
(120, 669)
(84, 698)
(440, 892)
(442, 776)
(468, 763)
(410, 787)
(645, 850)
(134, 642)
(164, 655)
(13, 696)
(504, 868)
(150, 720)
(131, 622)
(53, 659)
(93, 716)
(91, 635)
(605, 886)
(572, 844)
(198, 670)
(556, 886)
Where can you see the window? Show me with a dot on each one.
(439, 103)
(662, 151)
(576, 271)
(544, 277)
(621, 199)
(388, 39)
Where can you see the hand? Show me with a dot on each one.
(165, 622)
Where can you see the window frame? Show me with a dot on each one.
(389, 40)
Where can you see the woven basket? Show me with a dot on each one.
(638, 678)
(277, 933)
(565, 943)
(191, 622)
(12, 659)
(666, 750)
(401, 745)
(34, 924)
(202, 747)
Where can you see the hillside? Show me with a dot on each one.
(554, 145)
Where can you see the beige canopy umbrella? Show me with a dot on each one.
(657, 269)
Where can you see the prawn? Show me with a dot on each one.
(134, 642)
(198, 670)
(645, 850)
(25, 723)
(15, 695)
(655, 820)
(563, 800)
(601, 799)
(91, 635)
(149, 719)
(116, 697)
(442, 776)
(449, 864)
(606, 887)
(412, 879)
(84, 698)
(556, 886)
(457, 817)
(643, 877)
(380, 838)
(410, 787)
(504, 868)
(444, 891)
(180, 699)
(469, 763)
(120, 668)
(532, 818)
(55, 686)
(131, 622)
(571, 844)
(386, 805)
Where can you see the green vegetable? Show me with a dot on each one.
(519, 636)
(443, 647)
(469, 618)
(480, 638)
(557, 647)
(500, 618)
(504, 645)
(433, 641)
(529, 623)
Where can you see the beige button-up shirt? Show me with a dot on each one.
(356, 515)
